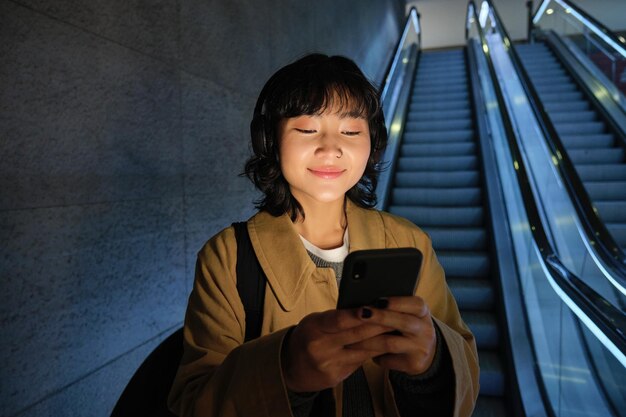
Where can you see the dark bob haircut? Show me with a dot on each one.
(310, 86)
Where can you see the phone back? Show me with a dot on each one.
(372, 274)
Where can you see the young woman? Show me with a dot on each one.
(317, 134)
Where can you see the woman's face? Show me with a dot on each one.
(323, 156)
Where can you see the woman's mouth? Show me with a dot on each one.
(327, 173)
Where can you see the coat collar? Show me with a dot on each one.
(286, 262)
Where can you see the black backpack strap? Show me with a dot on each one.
(251, 281)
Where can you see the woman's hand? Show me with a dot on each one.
(411, 349)
(315, 355)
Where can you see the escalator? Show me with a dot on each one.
(438, 184)
(594, 149)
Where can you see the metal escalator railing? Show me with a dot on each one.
(601, 244)
(589, 155)
(543, 272)
(395, 96)
(605, 49)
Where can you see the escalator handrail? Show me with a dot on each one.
(413, 14)
(395, 113)
(601, 242)
(598, 311)
(598, 28)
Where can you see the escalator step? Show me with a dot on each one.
(561, 97)
(441, 97)
(438, 125)
(424, 164)
(438, 137)
(440, 78)
(612, 211)
(437, 179)
(465, 264)
(618, 231)
(588, 141)
(573, 116)
(556, 86)
(441, 216)
(491, 373)
(596, 156)
(476, 294)
(432, 105)
(490, 407)
(485, 328)
(606, 191)
(436, 197)
(451, 87)
(436, 79)
(612, 172)
(439, 149)
(566, 106)
(580, 128)
(549, 74)
(457, 239)
(545, 82)
(544, 66)
(439, 115)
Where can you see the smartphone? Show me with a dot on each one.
(374, 273)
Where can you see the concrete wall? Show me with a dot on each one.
(124, 124)
(443, 21)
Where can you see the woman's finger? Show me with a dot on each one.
(407, 324)
(411, 305)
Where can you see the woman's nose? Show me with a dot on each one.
(329, 145)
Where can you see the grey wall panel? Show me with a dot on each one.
(226, 41)
(149, 27)
(84, 285)
(215, 135)
(96, 393)
(84, 120)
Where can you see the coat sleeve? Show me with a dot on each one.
(219, 375)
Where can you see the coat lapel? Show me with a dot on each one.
(365, 228)
(282, 256)
(286, 262)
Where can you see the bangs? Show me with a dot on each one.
(328, 86)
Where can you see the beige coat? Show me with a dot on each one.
(220, 376)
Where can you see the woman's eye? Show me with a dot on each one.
(306, 131)
(351, 132)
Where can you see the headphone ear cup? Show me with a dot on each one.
(257, 134)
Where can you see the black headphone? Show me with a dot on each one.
(259, 125)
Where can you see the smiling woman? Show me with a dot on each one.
(317, 133)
